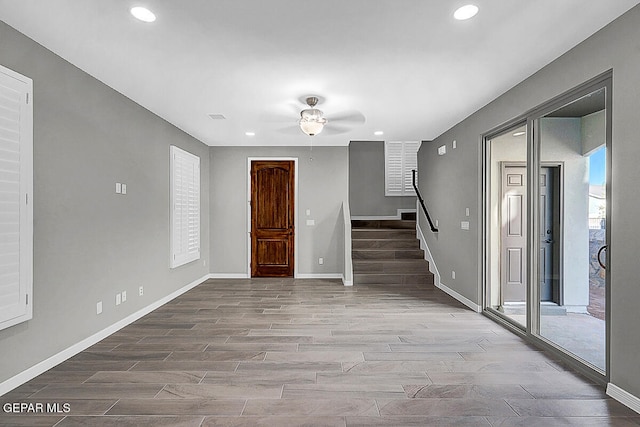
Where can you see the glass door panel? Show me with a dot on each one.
(570, 228)
(506, 228)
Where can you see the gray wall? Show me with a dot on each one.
(452, 182)
(322, 187)
(90, 243)
(366, 182)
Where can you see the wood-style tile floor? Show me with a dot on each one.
(274, 352)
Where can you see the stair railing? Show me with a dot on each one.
(424, 208)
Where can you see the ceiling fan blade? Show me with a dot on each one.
(332, 129)
(352, 116)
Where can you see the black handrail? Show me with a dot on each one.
(424, 208)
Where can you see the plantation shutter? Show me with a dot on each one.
(16, 212)
(185, 207)
(401, 157)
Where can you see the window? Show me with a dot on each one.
(400, 158)
(16, 207)
(185, 207)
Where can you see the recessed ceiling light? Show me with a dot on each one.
(250, 133)
(378, 132)
(143, 14)
(519, 133)
(465, 12)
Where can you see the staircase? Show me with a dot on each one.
(387, 252)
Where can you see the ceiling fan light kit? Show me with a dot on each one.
(312, 120)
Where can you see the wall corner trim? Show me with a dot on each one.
(624, 397)
(41, 367)
(346, 282)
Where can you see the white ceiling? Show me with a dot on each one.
(406, 66)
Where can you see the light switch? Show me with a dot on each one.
(118, 188)
(124, 188)
(308, 212)
(467, 211)
(464, 225)
(442, 150)
(311, 222)
(455, 144)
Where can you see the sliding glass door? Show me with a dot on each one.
(546, 179)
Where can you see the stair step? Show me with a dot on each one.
(382, 233)
(385, 244)
(401, 266)
(393, 279)
(377, 223)
(382, 254)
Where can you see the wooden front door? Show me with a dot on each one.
(272, 218)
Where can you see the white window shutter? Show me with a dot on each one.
(185, 207)
(16, 184)
(401, 157)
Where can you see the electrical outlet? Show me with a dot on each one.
(118, 299)
(453, 274)
(124, 296)
(320, 261)
(99, 307)
(124, 188)
(140, 291)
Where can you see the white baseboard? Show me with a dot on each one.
(436, 279)
(464, 300)
(319, 276)
(229, 276)
(398, 215)
(346, 282)
(624, 397)
(56, 359)
(433, 268)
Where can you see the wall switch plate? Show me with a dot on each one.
(308, 212)
(320, 261)
(453, 274)
(118, 188)
(455, 144)
(464, 225)
(436, 222)
(140, 291)
(118, 299)
(99, 307)
(442, 150)
(124, 188)
(467, 211)
(311, 222)
(124, 296)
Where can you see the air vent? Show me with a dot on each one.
(217, 116)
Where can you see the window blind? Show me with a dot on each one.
(16, 212)
(401, 157)
(185, 207)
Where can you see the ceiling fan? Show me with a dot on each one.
(312, 120)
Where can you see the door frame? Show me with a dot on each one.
(295, 210)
